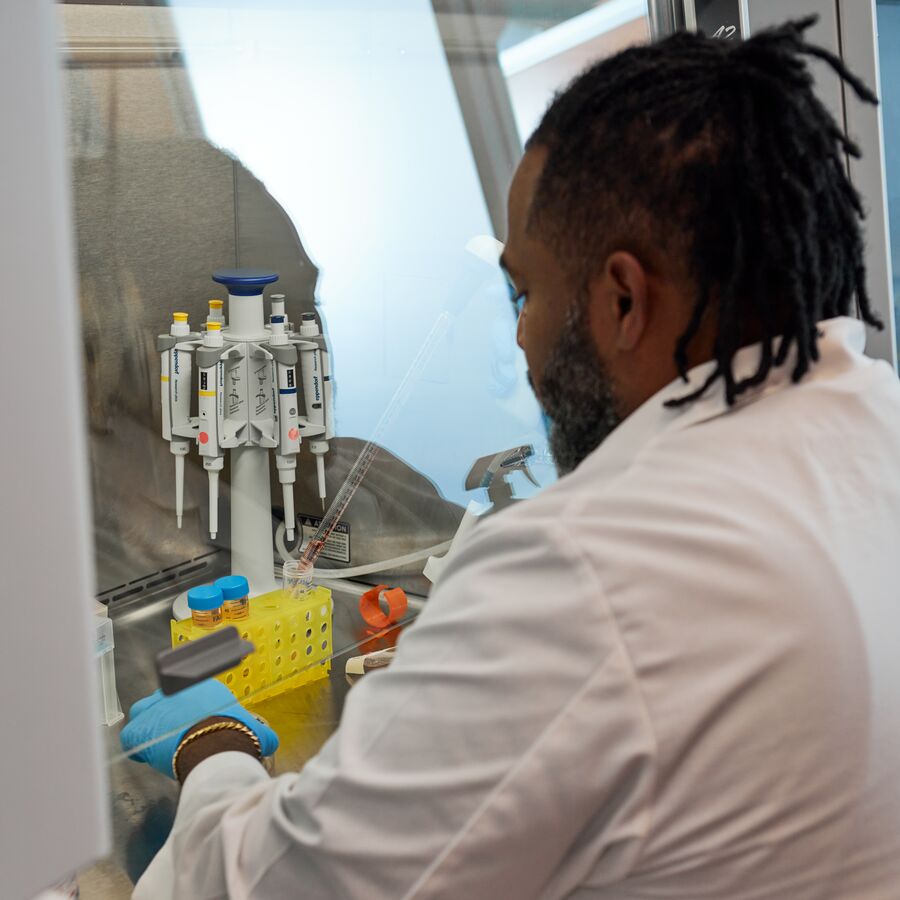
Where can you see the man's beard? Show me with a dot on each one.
(577, 394)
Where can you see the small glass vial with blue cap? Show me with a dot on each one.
(205, 604)
(236, 593)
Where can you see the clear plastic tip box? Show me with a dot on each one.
(292, 639)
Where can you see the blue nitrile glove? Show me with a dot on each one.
(154, 716)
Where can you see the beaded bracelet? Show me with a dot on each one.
(230, 725)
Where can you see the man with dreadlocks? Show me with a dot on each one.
(674, 673)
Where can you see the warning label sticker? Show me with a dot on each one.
(337, 547)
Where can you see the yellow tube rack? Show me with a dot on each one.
(293, 643)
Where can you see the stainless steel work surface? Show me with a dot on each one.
(143, 802)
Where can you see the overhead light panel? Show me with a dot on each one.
(570, 34)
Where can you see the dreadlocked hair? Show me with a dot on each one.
(717, 155)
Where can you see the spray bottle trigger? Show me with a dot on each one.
(528, 474)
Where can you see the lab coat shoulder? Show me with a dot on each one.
(524, 590)
(519, 652)
(522, 569)
(506, 751)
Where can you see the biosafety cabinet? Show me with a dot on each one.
(249, 251)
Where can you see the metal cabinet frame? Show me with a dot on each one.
(849, 29)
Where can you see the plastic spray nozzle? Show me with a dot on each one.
(491, 472)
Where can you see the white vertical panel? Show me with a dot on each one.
(847, 27)
(859, 41)
(766, 13)
(52, 793)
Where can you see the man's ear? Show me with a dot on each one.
(619, 302)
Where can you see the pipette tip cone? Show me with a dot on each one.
(323, 504)
(212, 535)
(290, 534)
(178, 519)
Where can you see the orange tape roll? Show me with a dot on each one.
(370, 609)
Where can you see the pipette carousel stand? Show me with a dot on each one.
(247, 383)
(248, 404)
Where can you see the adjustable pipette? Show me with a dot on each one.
(175, 387)
(370, 451)
(211, 409)
(329, 421)
(284, 357)
(315, 366)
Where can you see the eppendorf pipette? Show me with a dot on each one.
(315, 367)
(209, 405)
(370, 451)
(284, 358)
(175, 378)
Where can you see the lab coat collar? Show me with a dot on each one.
(840, 339)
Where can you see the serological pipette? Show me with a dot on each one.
(370, 450)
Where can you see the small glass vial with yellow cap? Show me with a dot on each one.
(236, 593)
(205, 604)
(216, 313)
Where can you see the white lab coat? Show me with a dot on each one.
(674, 674)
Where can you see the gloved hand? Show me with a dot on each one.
(165, 720)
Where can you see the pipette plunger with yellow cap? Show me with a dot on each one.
(216, 312)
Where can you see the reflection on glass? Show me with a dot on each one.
(538, 61)
(332, 142)
(889, 51)
(347, 114)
